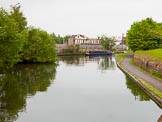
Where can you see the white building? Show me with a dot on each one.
(85, 42)
(81, 39)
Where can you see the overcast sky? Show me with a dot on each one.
(88, 17)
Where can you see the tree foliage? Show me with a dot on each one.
(71, 49)
(144, 35)
(18, 16)
(39, 47)
(60, 40)
(11, 39)
(107, 42)
(21, 43)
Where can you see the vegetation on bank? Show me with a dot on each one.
(151, 88)
(144, 35)
(107, 42)
(145, 39)
(59, 39)
(21, 43)
(153, 54)
(72, 50)
(120, 57)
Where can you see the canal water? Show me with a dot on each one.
(79, 89)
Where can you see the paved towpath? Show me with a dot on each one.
(143, 75)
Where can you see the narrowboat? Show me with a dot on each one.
(99, 52)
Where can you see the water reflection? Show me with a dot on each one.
(73, 60)
(136, 91)
(107, 63)
(20, 82)
(104, 62)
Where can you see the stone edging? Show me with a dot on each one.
(154, 97)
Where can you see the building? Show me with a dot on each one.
(81, 39)
(123, 41)
(120, 43)
(85, 42)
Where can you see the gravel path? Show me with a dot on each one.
(145, 76)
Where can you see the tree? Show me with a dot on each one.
(19, 43)
(65, 38)
(71, 49)
(40, 47)
(11, 40)
(58, 39)
(144, 35)
(107, 42)
(18, 16)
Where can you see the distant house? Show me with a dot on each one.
(121, 43)
(85, 42)
(81, 39)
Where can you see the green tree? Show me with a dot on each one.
(58, 39)
(144, 35)
(65, 38)
(107, 42)
(72, 49)
(40, 47)
(18, 16)
(11, 40)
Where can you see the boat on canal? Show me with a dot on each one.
(99, 52)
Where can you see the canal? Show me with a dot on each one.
(79, 89)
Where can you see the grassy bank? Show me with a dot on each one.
(153, 54)
(71, 54)
(120, 57)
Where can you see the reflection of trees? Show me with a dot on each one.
(107, 63)
(136, 91)
(18, 83)
(75, 60)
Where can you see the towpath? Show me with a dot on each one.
(156, 83)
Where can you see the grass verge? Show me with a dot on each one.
(120, 57)
(152, 89)
(153, 54)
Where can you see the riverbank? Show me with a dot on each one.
(149, 84)
(150, 60)
(71, 54)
